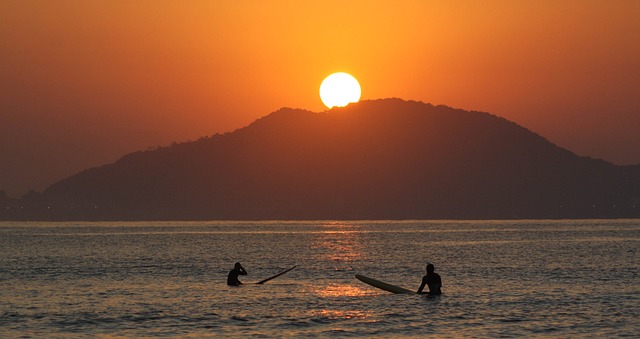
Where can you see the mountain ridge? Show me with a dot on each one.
(377, 159)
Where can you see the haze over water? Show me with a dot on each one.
(501, 278)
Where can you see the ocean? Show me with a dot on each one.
(568, 278)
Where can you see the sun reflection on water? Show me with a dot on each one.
(336, 294)
(342, 314)
(341, 290)
(340, 241)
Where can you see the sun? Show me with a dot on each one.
(339, 89)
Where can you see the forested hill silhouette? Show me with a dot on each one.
(379, 159)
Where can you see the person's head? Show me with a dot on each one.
(238, 266)
(430, 268)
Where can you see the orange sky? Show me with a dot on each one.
(84, 82)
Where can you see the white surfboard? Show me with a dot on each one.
(383, 285)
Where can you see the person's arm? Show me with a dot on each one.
(424, 282)
(243, 271)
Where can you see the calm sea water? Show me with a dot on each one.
(500, 278)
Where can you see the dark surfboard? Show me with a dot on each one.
(383, 285)
(275, 276)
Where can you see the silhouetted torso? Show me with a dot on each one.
(434, 282)
(432, 279)
(232, 279)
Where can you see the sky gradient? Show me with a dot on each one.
(85, 82)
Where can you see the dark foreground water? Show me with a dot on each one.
(501, 278)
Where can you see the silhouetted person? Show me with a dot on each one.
(432, 279)
(237, 270)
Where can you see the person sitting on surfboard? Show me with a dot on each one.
(432, 279)
(237, 270)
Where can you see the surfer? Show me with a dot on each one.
(432, 279)
(237, 270)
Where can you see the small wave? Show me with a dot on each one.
(511, 320)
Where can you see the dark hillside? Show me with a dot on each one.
(381, 159)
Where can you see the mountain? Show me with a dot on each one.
(379, 159)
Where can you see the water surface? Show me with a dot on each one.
(501, 278)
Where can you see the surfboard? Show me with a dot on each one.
(383, 285)
(275, 276)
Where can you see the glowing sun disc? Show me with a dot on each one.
(339, 89)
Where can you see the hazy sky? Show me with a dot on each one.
(85, 82)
